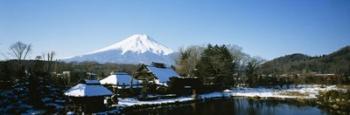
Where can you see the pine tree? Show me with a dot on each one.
(216, 66)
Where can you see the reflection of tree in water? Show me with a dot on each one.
(220, 107)
(193, 105)
(251, 108)
(231, 106)
(270, 105)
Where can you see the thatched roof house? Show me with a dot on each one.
(88, 96)
(120, 79)
(88, 88)
(156, 72)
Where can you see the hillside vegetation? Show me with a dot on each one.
(337, 62)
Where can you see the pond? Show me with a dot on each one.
(231, 106)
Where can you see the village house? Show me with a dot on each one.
(157, 73)
(88, 96)
(120, 80)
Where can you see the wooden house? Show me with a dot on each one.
(157, 73)
(88, 96)
(120, 80)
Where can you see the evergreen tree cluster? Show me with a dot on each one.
(213, 65)
(216, 66)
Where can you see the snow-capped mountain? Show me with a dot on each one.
(138, 48)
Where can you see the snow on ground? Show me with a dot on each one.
(301, 91)
(133, 101)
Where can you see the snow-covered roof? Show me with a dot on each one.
(162, 73)
(120, 78)
(89, 88)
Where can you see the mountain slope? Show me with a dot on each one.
(336, 62)
(138, 43)
(138, 48)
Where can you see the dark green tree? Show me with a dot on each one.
(216, 66)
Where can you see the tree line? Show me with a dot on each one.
(227, 65)
(222, 66)
(333, 68)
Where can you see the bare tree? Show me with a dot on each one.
(4, 55)
(252, 70)
(20, 50)
(50, 57)
(188, 59)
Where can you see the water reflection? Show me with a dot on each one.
(231, 106)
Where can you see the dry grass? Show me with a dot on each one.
(344, 86)
(294, 93)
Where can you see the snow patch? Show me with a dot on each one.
(312, 92)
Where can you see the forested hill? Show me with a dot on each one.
(337, 62)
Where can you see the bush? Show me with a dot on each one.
(337, 100)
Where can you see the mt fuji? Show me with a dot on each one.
(136, 49)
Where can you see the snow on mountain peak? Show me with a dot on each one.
(138, 43)
(135, 49)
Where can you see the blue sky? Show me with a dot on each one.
(265, 28)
